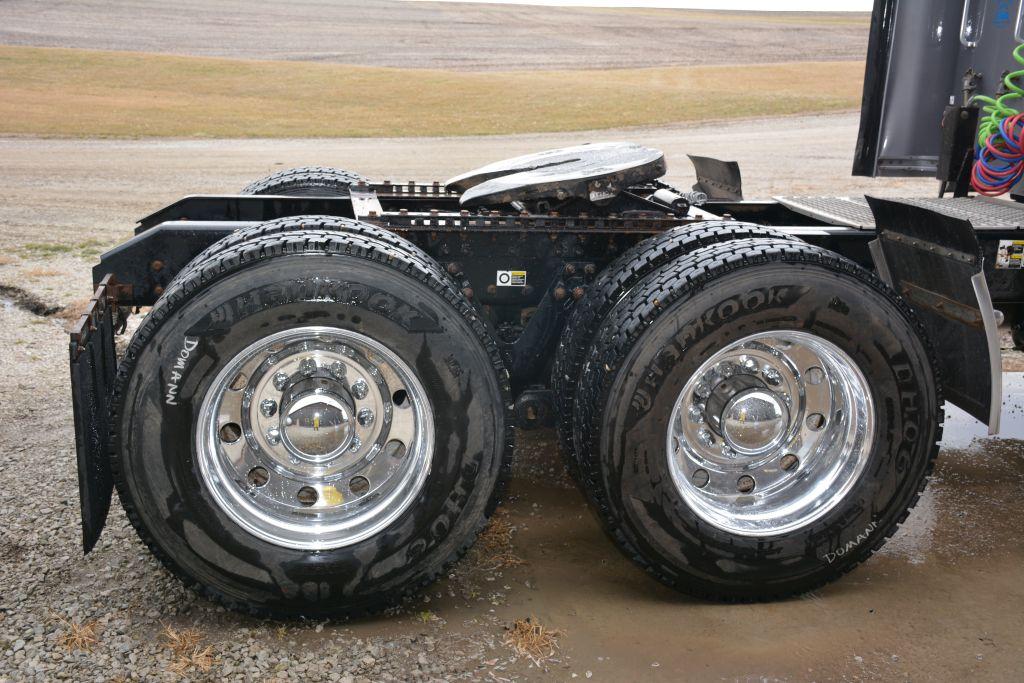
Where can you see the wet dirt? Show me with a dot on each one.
(943, 600)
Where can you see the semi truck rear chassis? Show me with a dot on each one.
(317, 413)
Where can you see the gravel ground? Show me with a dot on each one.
(434, 35)
(942, 601)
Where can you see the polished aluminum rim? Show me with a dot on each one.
(315, 438)
(770, 433)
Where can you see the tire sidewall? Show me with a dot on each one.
(846, 311)
(221, 319)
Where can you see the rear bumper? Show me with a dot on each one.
(93, 367)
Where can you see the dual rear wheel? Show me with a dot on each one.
(750, 419)
(348, 413)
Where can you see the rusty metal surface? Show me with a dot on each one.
(595, 172)
(443, 221)
(102, 303)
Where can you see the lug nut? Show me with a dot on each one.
(696, 413)
(559, 293)
(706, 437)
(273, 436)
(365, 417)
(268, 407)
(360, 388)
(727, 369)
(570, 269)
(307, 367)
(703, 389)
(771, 375)
(280, 381)
(338, 369)
(750, 365)
(356, 443)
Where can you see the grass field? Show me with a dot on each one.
(86, 93)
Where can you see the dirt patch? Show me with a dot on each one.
(16, 296)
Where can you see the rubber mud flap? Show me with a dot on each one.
(93, 367)
(935, 262)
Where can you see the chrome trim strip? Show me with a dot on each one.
(988, 318)
(878, 256)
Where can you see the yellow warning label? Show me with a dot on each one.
(1010, 255)
(511, 278)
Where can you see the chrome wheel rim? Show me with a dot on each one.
(770, 433)
(315, 438)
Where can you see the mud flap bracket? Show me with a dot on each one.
(93, 366)
(935, 262)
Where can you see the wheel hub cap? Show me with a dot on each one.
(753, 421)
(317, 419)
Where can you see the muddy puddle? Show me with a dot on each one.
(943, 600)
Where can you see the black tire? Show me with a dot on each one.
(246, 292)
(328, 223)
(609, 286)
(658, 335)
(307, 181)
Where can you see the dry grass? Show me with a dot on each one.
(37, 272)
(91, 93)
(529, 638)
(493, 548)
(7, 260)
(185, 645)
(72, 312)
(78, 636)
